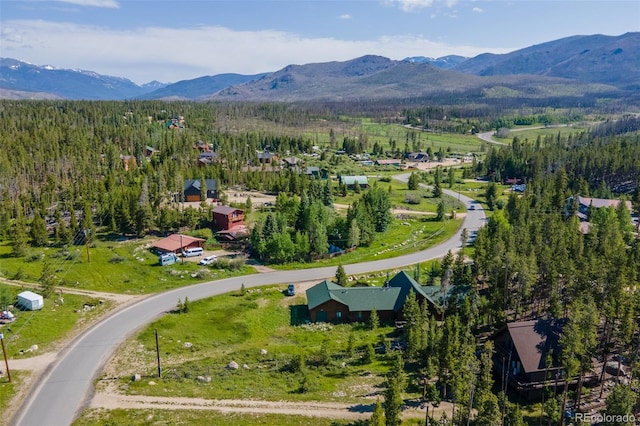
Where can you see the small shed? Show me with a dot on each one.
(30, 301)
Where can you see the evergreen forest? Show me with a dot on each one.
(70, 170)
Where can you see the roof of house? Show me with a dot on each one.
(602, 202)
(226, 210)
(356, 298)
(405, 283)
(417, 156)
(533, 340)
(175, 242)
(351, 180)
(233, 233)
(435, 294)
(388, 298)
(195, 183)
(391, 161)
(292, 161)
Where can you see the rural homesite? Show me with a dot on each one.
(468, 257)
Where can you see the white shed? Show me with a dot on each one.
(30, 301)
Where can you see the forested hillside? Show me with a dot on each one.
(71, 166)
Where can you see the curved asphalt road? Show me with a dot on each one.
(67, 385)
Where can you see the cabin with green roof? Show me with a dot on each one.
(329, 302)
(351, 181)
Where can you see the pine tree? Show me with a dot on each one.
(413, 327)
(437, 182)
(414, 181)
(19, 234)
(39, 234)
(393, 394)
(354, 234)
(327, 194)
(374, 320)
(441, 213)
(452, 177)
(341, 276)
(377, 418)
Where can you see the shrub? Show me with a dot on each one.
(230, 264)
(116, 259)
(33, 257)
(412, 198)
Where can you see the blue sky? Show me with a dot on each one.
(146, 40)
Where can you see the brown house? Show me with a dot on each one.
(177, 243)
(193, 189)
(522, 352)
(226, 218)
(267, 157)
(129, 162)
(329, 302)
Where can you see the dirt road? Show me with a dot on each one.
(331, 410)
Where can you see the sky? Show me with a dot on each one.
(169, 41)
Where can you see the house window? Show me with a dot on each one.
(359, 314)
(338, 314)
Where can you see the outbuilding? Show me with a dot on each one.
(30, 301)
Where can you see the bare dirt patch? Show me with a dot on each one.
(110, 401)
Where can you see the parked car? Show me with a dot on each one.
(291, 290)
(191, 252)
(207, 260)
(167, 259)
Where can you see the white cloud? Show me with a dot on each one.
(411, 5)
(345, 16)
(477, 10)
(111, 4)
(173, 54)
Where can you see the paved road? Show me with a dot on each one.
(66, 387)
(488, 137)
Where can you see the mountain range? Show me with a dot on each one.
(578, 65)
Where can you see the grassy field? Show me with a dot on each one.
(126, 267)
(383, 133)
(530, 134)
(37, 332)
(9, 390)
(196, 418)
(403, 237)
(205, 418)
(410, 231)
(58, 318)
(241, 328)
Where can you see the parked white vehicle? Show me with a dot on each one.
(192, 252)
(207, 260)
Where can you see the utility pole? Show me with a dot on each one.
(4, 353)
(181, 249)
(86, 243)
(158, 355)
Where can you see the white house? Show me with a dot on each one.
(30, 301)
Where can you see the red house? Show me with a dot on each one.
(226, 218)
